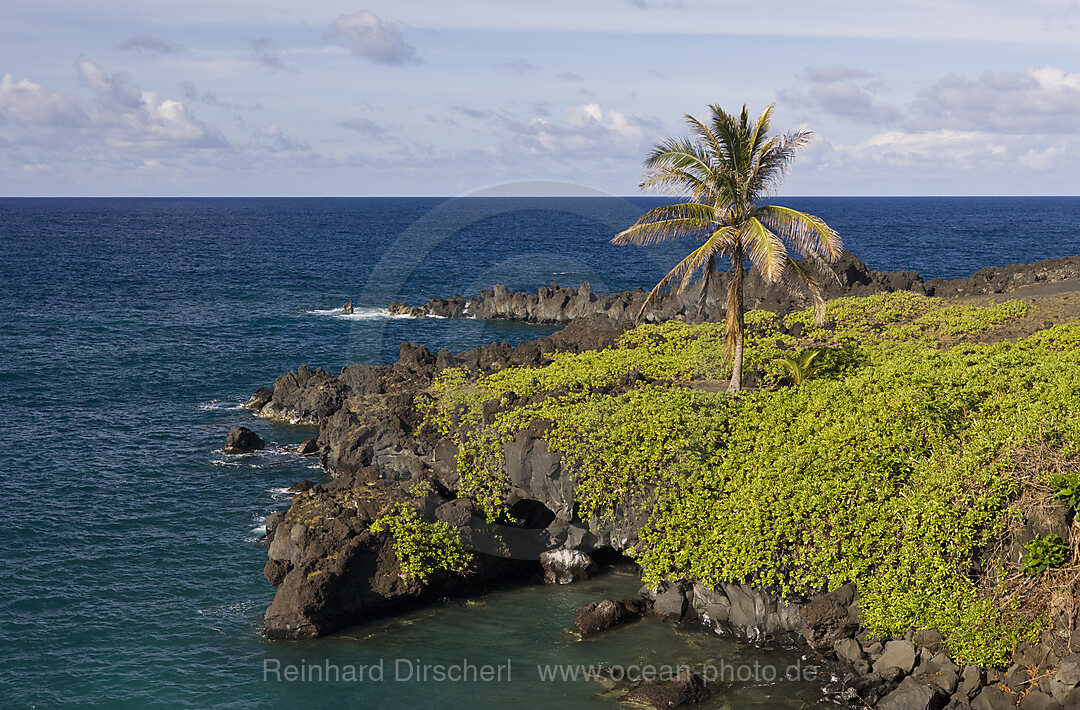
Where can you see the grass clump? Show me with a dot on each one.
(893, 467)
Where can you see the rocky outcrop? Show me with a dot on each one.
(347, 309)
(847, 277)
(600, 616)
(241, 440)
(331, 570)
(307, 448)
(260, 399)
(1002, 279)
(304, 397)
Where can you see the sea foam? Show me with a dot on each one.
(357, 314)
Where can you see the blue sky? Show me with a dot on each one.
(246, 97)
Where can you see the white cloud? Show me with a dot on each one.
(1036, 100)
(901, 148)
(373, 39)
(842, 91)
(586, 130)
(1042, 160)
(29, 103)
(123, 122)
(111, 89)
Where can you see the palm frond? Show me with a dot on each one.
(653, 232)
(680, 153)
(658, 289)
(766, 250)
(705, 134)
(774, 159)
(685, 270)
(718, 242)
(809, 234)
(817, 296)
(759, 135)
(675, 181)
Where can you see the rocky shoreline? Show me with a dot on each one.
(851, 277)
(331, 570)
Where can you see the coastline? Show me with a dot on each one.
(378, 459)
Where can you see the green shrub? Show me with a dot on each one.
(890, 468)
(423, 547)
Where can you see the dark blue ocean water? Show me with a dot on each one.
(133, 329)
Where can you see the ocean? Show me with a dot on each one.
(133, 331)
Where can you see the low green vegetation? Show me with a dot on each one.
(1043, 553)
(892, 467)
(423, 548)
(1066, 487)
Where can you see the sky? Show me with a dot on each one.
(426, 97)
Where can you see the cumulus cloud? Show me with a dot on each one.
(120, 120)
(112, 90)
(1019, 121)
(369, 37)
(1036, 100)
(148, 43)
(25, 102)
(842, 91)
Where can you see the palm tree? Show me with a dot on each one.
(728, 168)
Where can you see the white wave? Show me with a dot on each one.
(260, 525)
(283, 492)
(357, 314)
(364, 314)
(215, 405)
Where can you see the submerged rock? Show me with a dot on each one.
(686, 688)
(600, 616)
(241, 440)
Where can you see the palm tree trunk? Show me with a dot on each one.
(705, 288)
(735, 319)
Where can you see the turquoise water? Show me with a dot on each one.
(130, 573)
